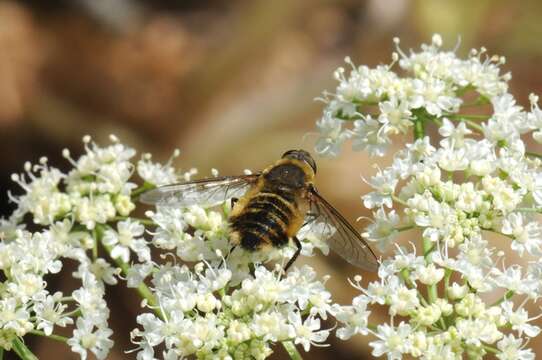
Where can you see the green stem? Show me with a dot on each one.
(533, 154)
(140, 190)
(480, 101)
(507, 296)
(536, 210)
(447, 275)
(52, 336)
(398, 200)
(142, 289)
(470, 123)
(405, 275)
(1, 354)
(419, 128)
(491, 349)
(22, 351)
(432, 293)
(291, 350)
(146, 222)
(74, 313)
(467, 116)
(95, 247)
(419, 133)
(404, 228)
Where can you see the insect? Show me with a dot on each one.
(271, 206)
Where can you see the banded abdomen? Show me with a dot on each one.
(267, 218)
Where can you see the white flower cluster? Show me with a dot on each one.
(205, 315)
(198, 233)
(380, 103)
(72, 209)
(227, 307)
(455, 299)
(233, 307)
(27, 306)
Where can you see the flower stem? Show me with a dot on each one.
(533, 154)
(146, 222)
(22, 351)
(140, 190)
(291, 350)
(419, 133)
(398, 200)
(447, 275)
(508, 295)
(404, 228)
(470, 123)
(491, 349)
(142, 289)
(95, 247)
(468, 116)
(536, 210)
(52, 336)
(419, 128)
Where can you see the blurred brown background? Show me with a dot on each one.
(231, 83)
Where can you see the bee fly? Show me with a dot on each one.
(270, 207)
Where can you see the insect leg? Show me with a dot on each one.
(296, 254)
(231, 250)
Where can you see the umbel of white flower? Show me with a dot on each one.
(474, 189)
(198, 303)
(449, 294)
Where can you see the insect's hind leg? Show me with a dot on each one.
(231, 250)
(296, 254)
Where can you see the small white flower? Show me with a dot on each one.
(393, 342)
(126, 238)
(307, 332)
(383, 229)
(429, 275)
(155, 173)
(86, 337)
(513, 349)
(332, 136)
(527, 237)
(519, 320)
(354, 319)
(50, 312)
(369, 135)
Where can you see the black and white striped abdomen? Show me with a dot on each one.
(265, 219)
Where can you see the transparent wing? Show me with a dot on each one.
(205, 192)
(345, 240)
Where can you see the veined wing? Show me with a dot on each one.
(205, 192)
(345, 241)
